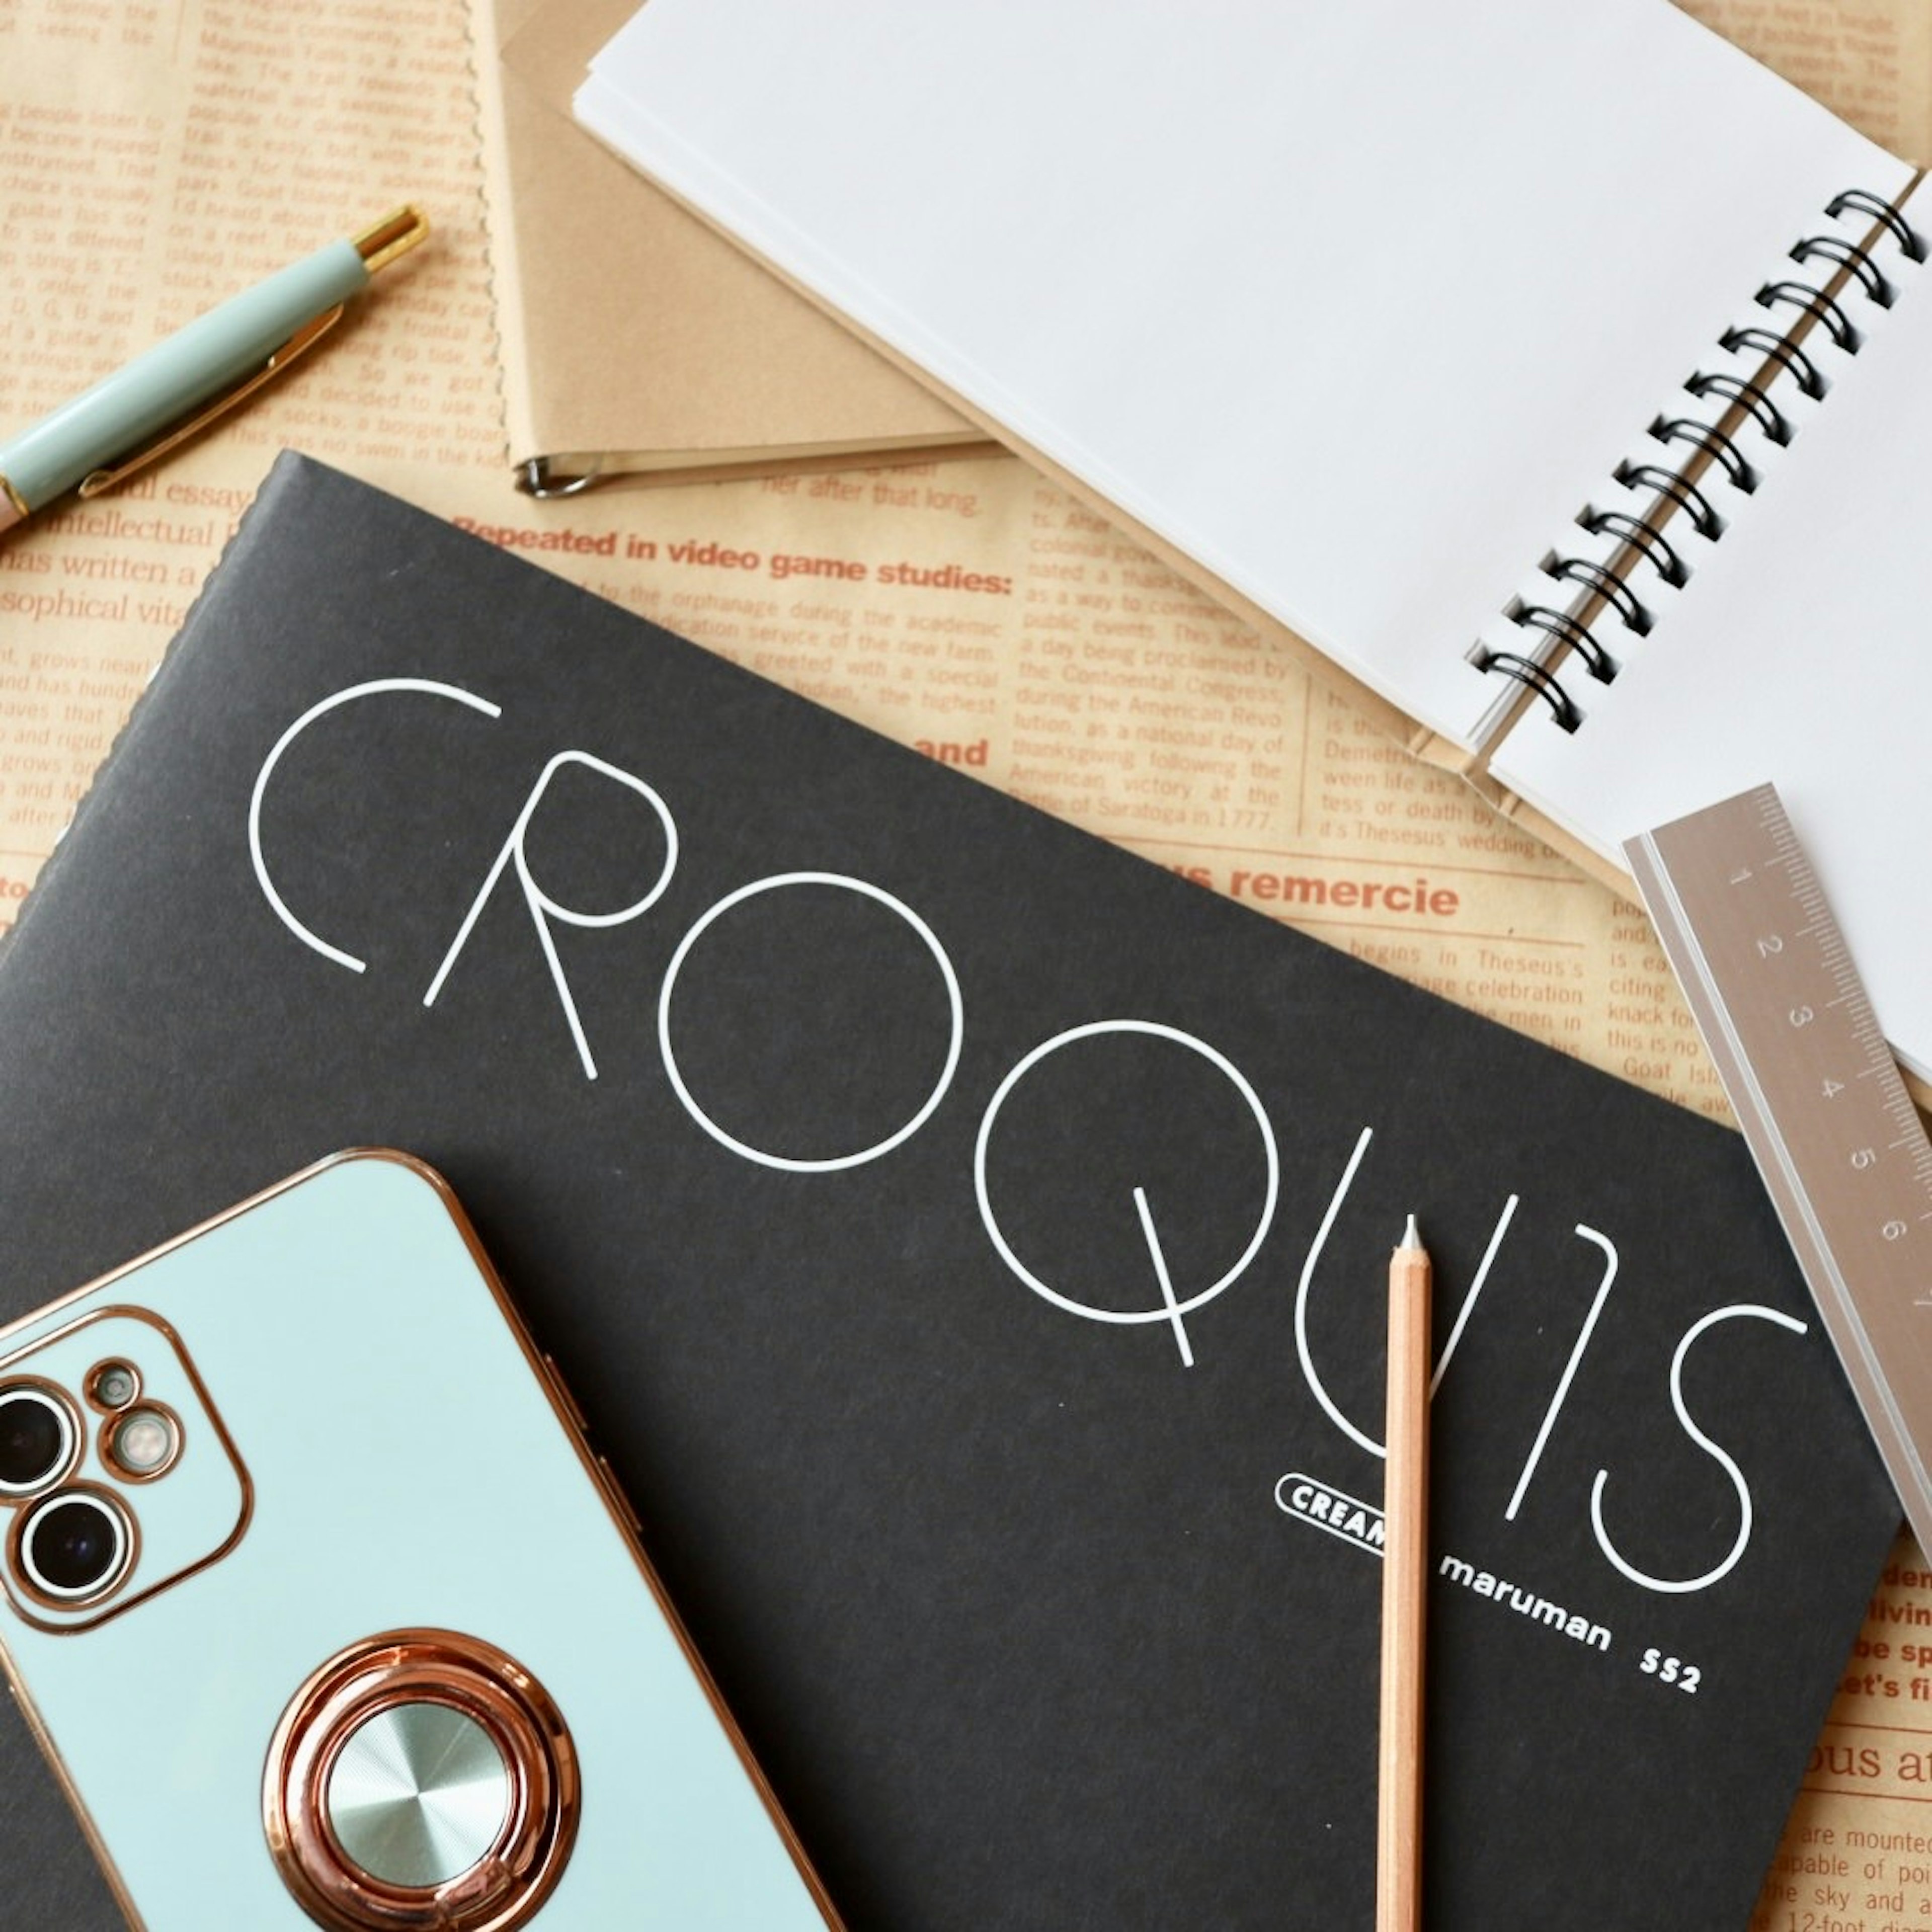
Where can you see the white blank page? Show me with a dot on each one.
(1357, 305)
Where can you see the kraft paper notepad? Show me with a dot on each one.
(634, 342)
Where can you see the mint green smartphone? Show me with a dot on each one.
(323, 1611)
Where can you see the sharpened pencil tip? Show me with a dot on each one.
(1410, 1238)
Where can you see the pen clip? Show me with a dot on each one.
(297, 345)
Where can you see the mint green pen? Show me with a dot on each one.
(177, 387)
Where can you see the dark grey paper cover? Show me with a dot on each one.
(968, 1243)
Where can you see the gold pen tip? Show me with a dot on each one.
(396, 234)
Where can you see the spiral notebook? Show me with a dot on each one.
(1559, 376)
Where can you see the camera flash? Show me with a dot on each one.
(145, 1441)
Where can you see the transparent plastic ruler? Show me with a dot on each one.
(1836, 1136)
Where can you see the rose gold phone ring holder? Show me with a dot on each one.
(421, 1781)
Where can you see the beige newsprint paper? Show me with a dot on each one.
(156, 155)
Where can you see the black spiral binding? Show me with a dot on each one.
(1686, 495)
(1768, 416)
(1606, 587)
(1818, 305)
(1527, 670)
(1836, 248)
(1910, 246)
(1669, 567)
(1780, 348)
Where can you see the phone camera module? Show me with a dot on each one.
(73, 1546)
(36, 1438)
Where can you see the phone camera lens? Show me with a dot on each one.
(113, 1385)
(36, 1439)
(73, 1545)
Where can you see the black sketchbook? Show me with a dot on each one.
(968, 1243)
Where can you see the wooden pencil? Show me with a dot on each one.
(1405, 1589)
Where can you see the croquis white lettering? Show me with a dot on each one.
(956, 1006)
(376, 688)
(1569, 1368)
(1683, 1586)
(1167, 1307)
(1166, 1302)
(543, 908)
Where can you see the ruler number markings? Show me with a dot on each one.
(1747, 922)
